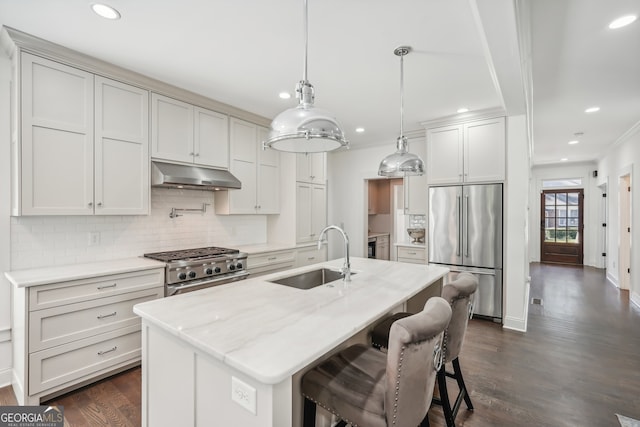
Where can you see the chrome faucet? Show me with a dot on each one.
(346, 268)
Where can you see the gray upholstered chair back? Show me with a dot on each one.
(412, 340)
(458, 293)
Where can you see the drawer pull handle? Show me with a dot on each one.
(412, 253)
(311, 257)
(108, 286)
(273, 258)
(101, 352)
(102, 316)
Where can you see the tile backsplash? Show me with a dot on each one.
(56, 240)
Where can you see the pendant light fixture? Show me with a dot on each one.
(305, 129)
(401, 163)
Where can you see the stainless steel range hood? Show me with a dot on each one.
(171, 175)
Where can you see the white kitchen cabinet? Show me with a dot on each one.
(270, 262)
(71, 332)
(467, 152)
(186, 133)
(379, 196)
(311, 167)
(310, 255)
(258, 170)
(415, 187)
(311, 211)
(84, 143)
(121, 149)
(382, 247)
(412, 255)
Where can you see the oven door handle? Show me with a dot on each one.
(174, 289)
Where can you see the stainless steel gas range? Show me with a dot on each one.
(192, 269)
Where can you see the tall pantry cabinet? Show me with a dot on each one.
(84, 143)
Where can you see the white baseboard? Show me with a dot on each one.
(515, 323)
(612, 280)
(635, 298)
(5, 377)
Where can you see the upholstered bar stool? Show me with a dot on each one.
(459, 294)
(368, 388)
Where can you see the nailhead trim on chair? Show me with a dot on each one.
(395, 405)
(331, 411)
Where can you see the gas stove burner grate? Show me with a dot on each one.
(191, 254)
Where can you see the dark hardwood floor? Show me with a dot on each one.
(578, 364)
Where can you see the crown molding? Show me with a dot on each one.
(489, 113)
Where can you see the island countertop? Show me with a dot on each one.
(270, 331)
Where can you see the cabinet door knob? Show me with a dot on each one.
(197, 154)
(90, 204)
(99, 203)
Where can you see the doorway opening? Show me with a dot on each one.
(624, 248)
(562, 226)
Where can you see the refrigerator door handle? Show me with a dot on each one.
(459, 231)
(466, 225)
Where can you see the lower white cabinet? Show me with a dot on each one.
(69, 333)
(310, 255)
(382, 247)
(413, 255)
(270, 262)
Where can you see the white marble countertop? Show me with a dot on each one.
(411, 245)
(377, 234)
(270, 331)
(63, 273)
(265, 247)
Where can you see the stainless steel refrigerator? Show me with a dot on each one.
(465, 234)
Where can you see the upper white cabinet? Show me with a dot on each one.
(311, 211)
(467, 152)
(311, 167)
(258, 170)
(415, 187)
(185, 133)
(84, 143)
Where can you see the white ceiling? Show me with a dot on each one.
(245, 52)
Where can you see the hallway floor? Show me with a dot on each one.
(577, 365)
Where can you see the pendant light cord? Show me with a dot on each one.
(306, 40)
(401, 92)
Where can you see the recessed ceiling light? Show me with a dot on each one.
(284, 95)
(564, 159)
(592, 109)
(574, 142)
(105, 11)
(622, 21)
(359, 130)
(463, 110)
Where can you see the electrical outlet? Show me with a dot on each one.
(94, 238)
(243, 394)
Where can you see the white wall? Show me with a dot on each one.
(592, 206)
(620, 160)
(516, 266)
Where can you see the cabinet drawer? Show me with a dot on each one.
(70, 362)
(312, 255)
(71, 322)
(261, 260)
(47, 296)
(411, 253)
(382, 239)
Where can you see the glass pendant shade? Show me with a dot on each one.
(305, 128)
(401, 163)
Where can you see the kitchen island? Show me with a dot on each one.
(234, 354)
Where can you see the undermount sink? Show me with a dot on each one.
(310, 279)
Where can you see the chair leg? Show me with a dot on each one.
(463, 388)
(425, 421)
(309, 418)
(444, 397)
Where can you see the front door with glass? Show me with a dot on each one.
(562, 229)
